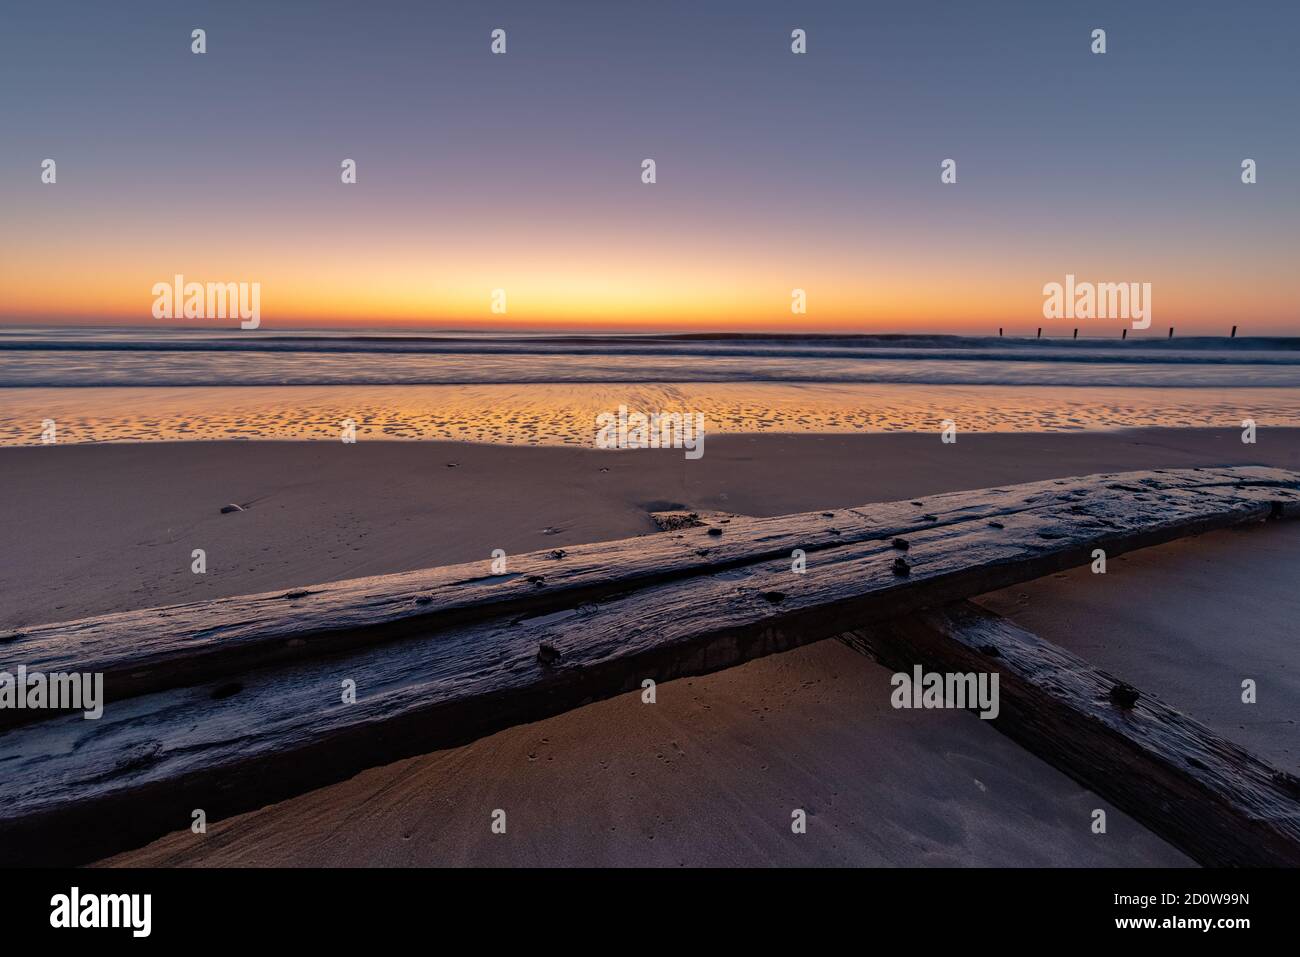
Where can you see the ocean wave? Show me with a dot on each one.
(73, 358)
(1206, 349)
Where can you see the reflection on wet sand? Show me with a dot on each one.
(565, 414)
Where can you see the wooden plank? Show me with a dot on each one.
(73, 790)
(1207, 796)
(139, 652)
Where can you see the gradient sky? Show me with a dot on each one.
(775, 171)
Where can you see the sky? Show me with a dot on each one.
(775, 171)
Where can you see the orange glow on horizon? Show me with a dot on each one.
(697, 284)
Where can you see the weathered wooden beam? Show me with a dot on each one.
(150, 650)
(73, 790)
(1208, 797)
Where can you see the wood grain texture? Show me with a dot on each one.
(1208, 797)
(73, 790)
(153, 649)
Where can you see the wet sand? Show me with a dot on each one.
(565, 414)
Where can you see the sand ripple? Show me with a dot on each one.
(565, 414)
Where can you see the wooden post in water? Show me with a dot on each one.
(1040, 332)
(1123, 334)
(1171, 332)
(1234, 333)
(1076, 332)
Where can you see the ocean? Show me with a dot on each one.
(149, 357)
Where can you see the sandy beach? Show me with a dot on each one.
(710, 774)
(103, 528)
